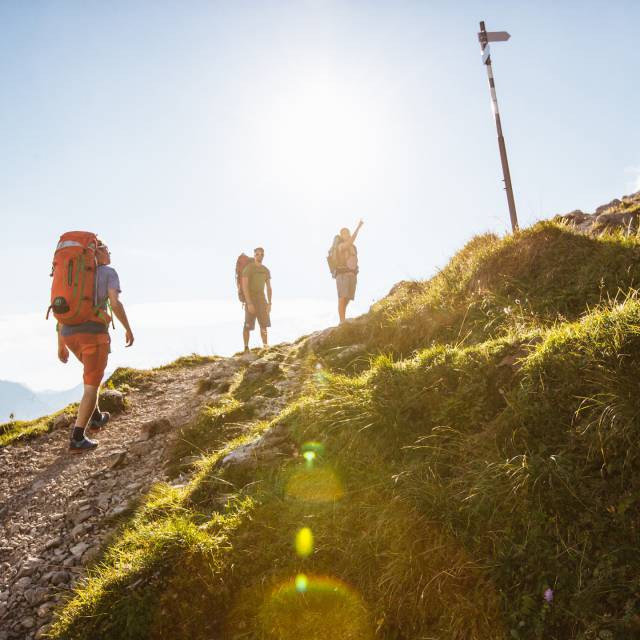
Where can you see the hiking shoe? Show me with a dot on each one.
(95, 424)
(80, 446)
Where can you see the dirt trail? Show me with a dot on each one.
(57, 508)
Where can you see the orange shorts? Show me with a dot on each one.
(93, 351)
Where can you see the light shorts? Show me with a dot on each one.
(346, 285)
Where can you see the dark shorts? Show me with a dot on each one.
(262, 313)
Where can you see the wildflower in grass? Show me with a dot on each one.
(548, 595)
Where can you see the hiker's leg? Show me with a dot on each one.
(264, 320)
(249, 326)
(79, 442)
(343, 284)
(87, 405)
(347, 293)
(342, 308)
(93, 353)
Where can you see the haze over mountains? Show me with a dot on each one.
(25, 404)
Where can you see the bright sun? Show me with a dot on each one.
(320, 138)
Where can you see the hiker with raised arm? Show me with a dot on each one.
(84, 288)
(343, 262)
(255, 278)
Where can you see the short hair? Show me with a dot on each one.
(258, 249)
(345, 229)
(101, 243)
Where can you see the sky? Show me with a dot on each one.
(186, 133)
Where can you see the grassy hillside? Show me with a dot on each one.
(468, 470)
(19, 430)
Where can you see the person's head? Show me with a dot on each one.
(345, 234)
(103, 255)
(258, 254)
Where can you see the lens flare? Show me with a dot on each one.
(320, 376)
(304, 542)
(309, 456)
(329, 610)
(302, 583)
(317, 448)
(314, 484)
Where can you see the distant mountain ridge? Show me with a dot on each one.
(25, 404)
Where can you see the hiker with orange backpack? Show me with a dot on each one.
(343, 263)
(84, 287)
(255, 278)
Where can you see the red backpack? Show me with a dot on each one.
(73, 290)
(242, 261)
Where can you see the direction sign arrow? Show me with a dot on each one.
(494, 36)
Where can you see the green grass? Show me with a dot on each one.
(495, 287)
(192, 360)
(210, 429)
(250, 385)
(487, 453)
(18, 430)
(124, 378)
(166, 549)
(127, 377)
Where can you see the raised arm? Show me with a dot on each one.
(118, 310)
(354, 235)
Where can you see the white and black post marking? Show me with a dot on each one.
(486, 37)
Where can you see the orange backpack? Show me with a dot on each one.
(242, 261)
(73, 290)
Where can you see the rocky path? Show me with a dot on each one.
(56, 508)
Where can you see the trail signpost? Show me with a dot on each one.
(485, 37)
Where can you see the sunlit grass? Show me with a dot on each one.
(18, 430)
(487, 457)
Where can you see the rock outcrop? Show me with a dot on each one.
(619, 214)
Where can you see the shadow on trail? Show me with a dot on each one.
(63, 461)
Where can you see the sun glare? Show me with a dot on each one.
(320, 137)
